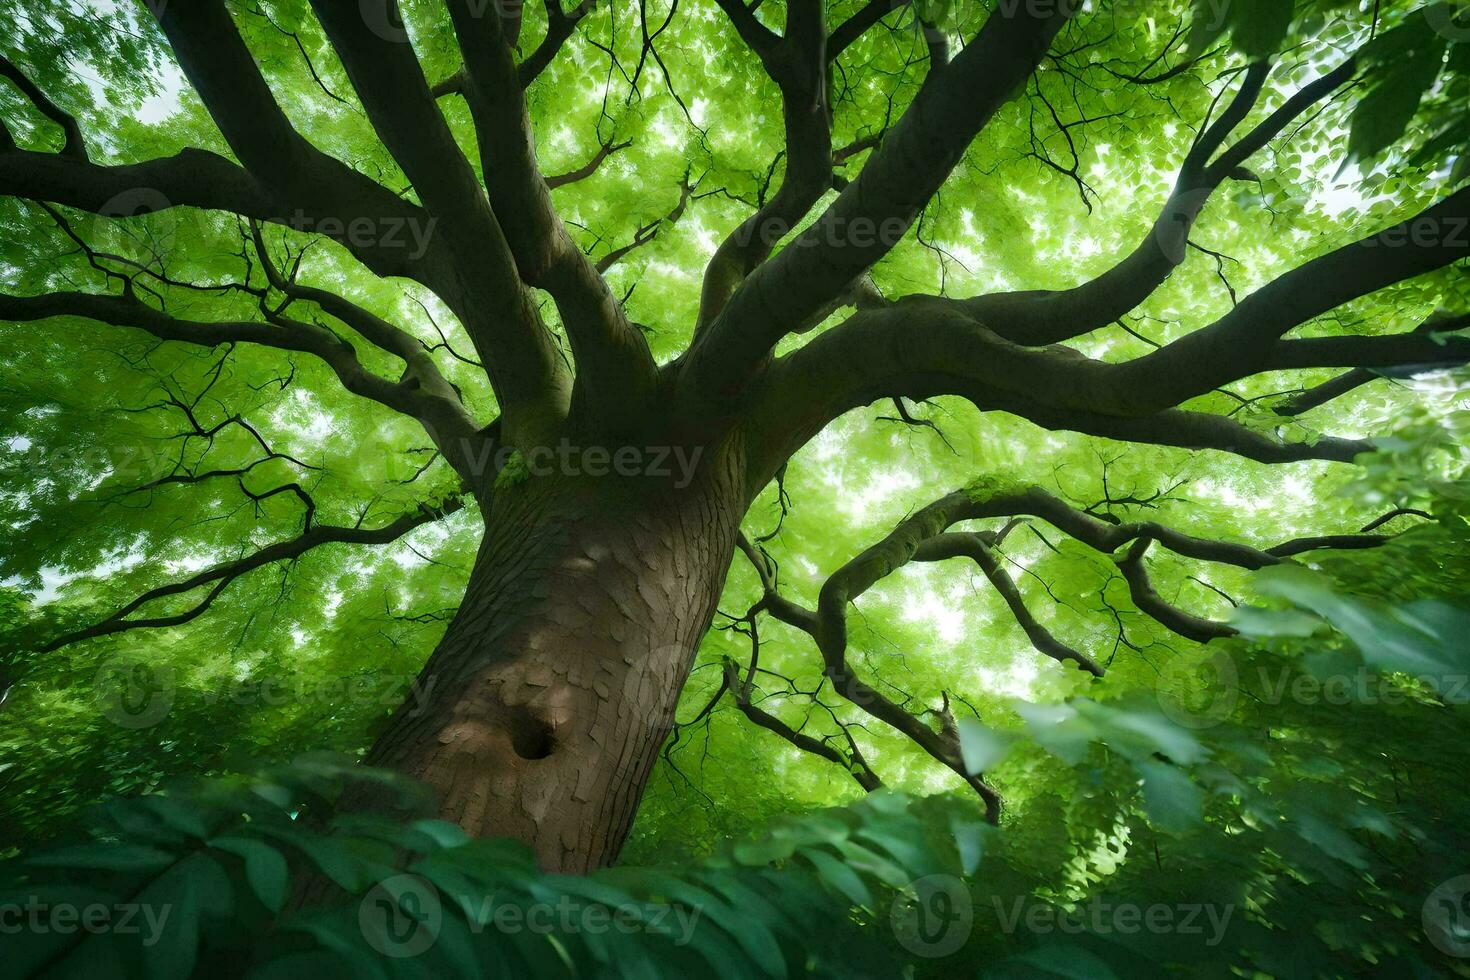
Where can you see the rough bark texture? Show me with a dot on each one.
(555, 685)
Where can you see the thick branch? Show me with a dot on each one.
(858, 24)
(921, 347)
(852, 762)
(1406, 352)
(870, 216)
(645, 234)
(1319, 395)
(76, 145)
(1047, 317)
(1150, 603)
(797, 64)
(922, 538)
(317, 191)
(419, 367)
(387, 78)
(190, 178)
(488, 295)
(925, 346)
(830, 635)
(373, 328)
(1247, 340)
(589, 168)
(926, 536)
(758, 37)
(560, 26)
(616, 370)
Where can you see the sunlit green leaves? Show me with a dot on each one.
(1403, 63)
(1423, 639)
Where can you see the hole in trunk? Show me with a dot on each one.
(530, 737)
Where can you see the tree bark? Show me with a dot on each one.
(554, 687)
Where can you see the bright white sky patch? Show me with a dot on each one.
(54, 579)
(924, 605)
(881, 488)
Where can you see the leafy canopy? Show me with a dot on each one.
(1325, 825)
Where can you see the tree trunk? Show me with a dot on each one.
(555, 685)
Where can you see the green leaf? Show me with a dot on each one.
(354, 865)
(1268, 623)
(194, 888)
(1424, 639)
(838, 875)
(265, 868)
(1172, 798)
(25, 950)
(1384, 114)
(982, 747)
(442, 832)
(970, 837)
(764, 850)
(182, 817)
(1260, 26)
(135, 858)
(1061, 960)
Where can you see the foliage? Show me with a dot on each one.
(215, 867)
(1164, 833)
(79, 459)
(1306, 776)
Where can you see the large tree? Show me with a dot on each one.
(352, 199)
